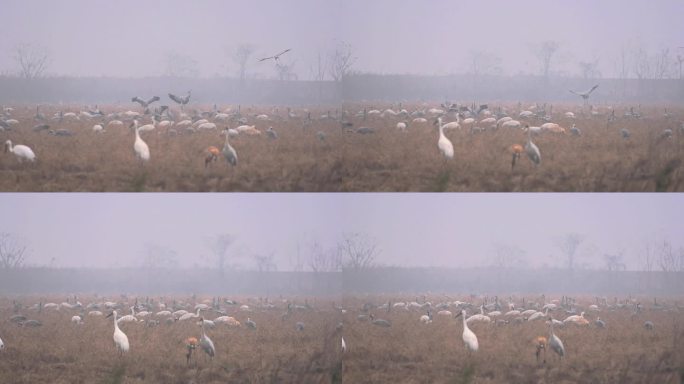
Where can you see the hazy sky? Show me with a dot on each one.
(410, 229)
(133, 37)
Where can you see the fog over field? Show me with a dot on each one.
(133, 39)
(414, 230)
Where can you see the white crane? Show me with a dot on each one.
(250, 323)
(344, 345)
(120, 338)
(532, 150)
(142, 151)
(555, 343)
(22, 152)
(469, 337)
(206, 343)
(585, 95)
(444, 144)
(229, 152)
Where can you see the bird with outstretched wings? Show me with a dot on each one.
(180, 100)
(276, 56)
(145, 103)
(586, 93)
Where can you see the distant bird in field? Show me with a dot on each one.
(585, 95)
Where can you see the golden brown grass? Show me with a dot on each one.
(407, 352)
(599, 160)
(62, 352)
(412, 352)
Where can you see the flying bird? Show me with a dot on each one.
(145, 103)
(275, 57)
(585, 95)
(180, 100)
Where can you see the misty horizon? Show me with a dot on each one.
(88, 39)
(409, 230)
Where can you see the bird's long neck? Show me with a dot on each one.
(116, 323)
(227, 142)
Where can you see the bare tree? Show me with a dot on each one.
(319, 69)
(641, 64)
(505, 255)
(32, 60)
(589, 69)
(157, 256)
(669, 259)
(545, 52)
(219, 245)
(357, 251)
(568, 246)
(181, 65)
(296, 260)
(265, 263)
(662, 64)
(341, 61)
(484, 63)
(647, 256)
(323, 260)
(286, 71)
(241, 57)
(614, 262)
(12, 252)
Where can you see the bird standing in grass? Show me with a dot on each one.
(212, 155)
(191, 344)
(516, 150)
(532, 150)
(142, 151)
(469, 337)
(206, 343)
(444, 144)
(555, 343)
(229, 152)
(120, 338)
(540, 344)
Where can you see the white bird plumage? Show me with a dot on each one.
(22, 152)
(469, 337)
(142, 151)
(444, 144)
(120, 338)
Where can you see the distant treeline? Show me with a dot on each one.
(465, 88)
(504, 281)
(354, 88)
(167, 281)
(94, 90)
(373, 280)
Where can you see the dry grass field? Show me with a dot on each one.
(62, 352)
(388, 160)
(407, 352)
(412, 352)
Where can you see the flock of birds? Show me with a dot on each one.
(497, 313)
(492, 311)
(533, 120)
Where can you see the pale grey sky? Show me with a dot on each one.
(410, 229)
(132, 37)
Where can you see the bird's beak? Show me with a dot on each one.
(110, 315)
